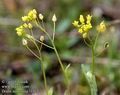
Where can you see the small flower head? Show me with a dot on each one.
(24, 41)
(80, 30)
(34, 11)
(82, 20)
(25, 18)
(25, 25)
(32, 15)
(54, 18)
(42, 38)
(20, 31)
(75, 23)
(89, 17)
(84, 26)
(101, 27)
(41, 16)
(30, 26)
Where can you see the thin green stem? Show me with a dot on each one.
(43, 71)
(43, 44)
(93, 60)
(36, 45)
(54, 32)
(32, 52)
(87, 43)
(56, 52)
(62, 67)
(95, 43)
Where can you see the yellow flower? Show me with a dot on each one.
(82, 20)
(25, 25)
(80, 30)
(83, 28)
(30, 26)
(101, 27)
(75, 23)
(88, 17)
(25, 18)
(34, 11)
(20, 30)
(19, 33)
(32, 14)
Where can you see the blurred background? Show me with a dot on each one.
(17, 63)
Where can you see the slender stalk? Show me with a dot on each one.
(32, 52)
(43, 71)
(93, 61)
(87, 43)
(95, 43)
(62, 67)
(54, 32)
(43, 44)
(56, 52)
(40, 59)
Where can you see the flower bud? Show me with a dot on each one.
(82, 20)
(34, 11)
(54, 18)
(41, 16)
(24, 41)
(30, 26)
(101, 27)
(19, 33)
(42, 38)
(25, 25)
(85, 35)
(25, 18)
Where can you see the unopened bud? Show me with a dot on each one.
(30, 26)
(42, 38)
(24, 41)
(41, 16)
(85, 35)
(54, 18)
(25, 25)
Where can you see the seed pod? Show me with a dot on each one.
(106, 45)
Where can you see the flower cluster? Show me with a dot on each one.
(101, 27)
(21, 29)
(27, 26)
(84, 26)
(32, 15)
